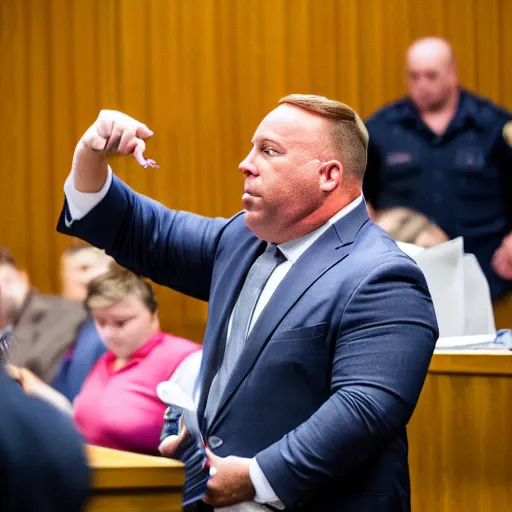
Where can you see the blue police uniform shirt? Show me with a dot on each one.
(461, 180)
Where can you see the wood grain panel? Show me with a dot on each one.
(201, 74)
(459, 436)
(130, 482)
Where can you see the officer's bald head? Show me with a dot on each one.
(432, 50)
(431, 73)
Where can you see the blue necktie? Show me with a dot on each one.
(242, 314)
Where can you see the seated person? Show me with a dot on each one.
(412, 227)
(42, 461)
(79, 265)
(118, 406)
(46, 329)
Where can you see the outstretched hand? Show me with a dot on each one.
(117, 133)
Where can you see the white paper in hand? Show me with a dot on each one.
(171, 394)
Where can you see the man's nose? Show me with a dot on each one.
(247, 165)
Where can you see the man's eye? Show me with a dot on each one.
(270, 152)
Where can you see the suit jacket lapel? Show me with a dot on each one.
(233, 273)
(332, 247)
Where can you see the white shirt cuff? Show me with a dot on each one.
(81, 203)
(264, 492)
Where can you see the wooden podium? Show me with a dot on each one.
(460, 436)
(129, 482)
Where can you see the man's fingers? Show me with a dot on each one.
(98, 143)
(94, 139)
(210, 454)
(214, 459)
(138, 152)
(143, 132)
(115, 132)
(169, 445)
(114, 139)
(127, 142)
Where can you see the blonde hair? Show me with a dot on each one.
(115, 285)
(349, 135)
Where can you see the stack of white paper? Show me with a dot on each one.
(459, 289)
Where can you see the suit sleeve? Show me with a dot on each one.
(386, 338)
(42, 461)
(173, 248)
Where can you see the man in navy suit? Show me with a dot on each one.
(307, 408)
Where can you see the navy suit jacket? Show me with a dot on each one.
(334, 365)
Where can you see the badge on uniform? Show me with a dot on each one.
(507, 133)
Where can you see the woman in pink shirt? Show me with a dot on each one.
(118, 406)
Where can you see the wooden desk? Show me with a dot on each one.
(129, 482)
(460, 436)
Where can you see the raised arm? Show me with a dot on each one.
(173, 248)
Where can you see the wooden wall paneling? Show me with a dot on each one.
(202, 74)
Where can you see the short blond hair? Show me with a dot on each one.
(349, 135)
(115, 285)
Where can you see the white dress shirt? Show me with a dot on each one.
(81, 203)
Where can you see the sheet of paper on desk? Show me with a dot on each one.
(459, 290)
(484, 341)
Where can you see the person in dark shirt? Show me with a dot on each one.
(42, 461)
(446, 153)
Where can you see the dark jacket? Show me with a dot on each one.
(42, 462)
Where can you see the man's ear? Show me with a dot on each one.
(331, 174)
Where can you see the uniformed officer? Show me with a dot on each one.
(446, 153)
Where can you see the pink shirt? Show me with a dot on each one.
(120, 409)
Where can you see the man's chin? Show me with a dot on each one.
(256, 224)
(430, 105)
(251, 219)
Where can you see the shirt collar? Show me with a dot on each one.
(467, 112)
(294, 249)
